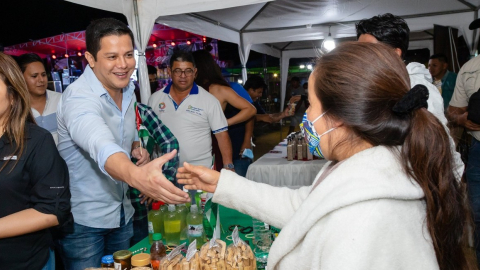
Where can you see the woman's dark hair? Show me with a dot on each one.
(208, 72)
(19, 113)
(28, 58)
(364, 105)
(386, 28)
(100, 28)
(255, 82)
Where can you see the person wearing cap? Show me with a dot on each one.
(460, 112)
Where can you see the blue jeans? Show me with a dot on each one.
(241, 166)
(86, 246)
(473, 184)
(51, 261)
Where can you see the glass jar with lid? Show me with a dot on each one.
(141, 260)
(122, 260)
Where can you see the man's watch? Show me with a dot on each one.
(228, 166)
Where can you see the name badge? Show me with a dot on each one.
(10, 158)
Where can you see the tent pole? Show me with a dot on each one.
(137, 21)
(474, 42)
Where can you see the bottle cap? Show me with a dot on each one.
(155, 205)
(107, 259)
(157, 237)
(142, 259)
(194, 208)
(171, 207)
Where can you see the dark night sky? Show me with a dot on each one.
(25, 20)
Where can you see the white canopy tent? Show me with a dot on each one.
(284, 28)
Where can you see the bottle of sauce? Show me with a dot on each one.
(157, 251)
(155, 221)
(107, 261)
(172, 225)
(122, 260)
(195, 226)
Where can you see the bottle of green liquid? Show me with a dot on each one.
(155, 221)
(182, 210)
(195, 226)
(172, 223)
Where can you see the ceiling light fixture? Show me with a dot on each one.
(328, 43)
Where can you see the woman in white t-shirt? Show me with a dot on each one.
(44, 102)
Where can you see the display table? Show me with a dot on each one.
(228, 217)
(274, 169)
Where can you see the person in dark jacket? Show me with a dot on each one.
(34, 182)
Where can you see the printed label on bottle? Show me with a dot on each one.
(118, 266)
(150, 227)
(195, 230)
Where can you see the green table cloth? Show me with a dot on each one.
(228, 217)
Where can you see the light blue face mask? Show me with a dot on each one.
(311, 135)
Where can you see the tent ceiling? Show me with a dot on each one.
(294, 13)
(282, 21)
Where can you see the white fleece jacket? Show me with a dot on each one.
(420, 75)
(367, 214)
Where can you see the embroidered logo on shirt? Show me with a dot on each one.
(10, 158)
(194, 110)
(161, 106)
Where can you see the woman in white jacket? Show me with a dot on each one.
(388, 198)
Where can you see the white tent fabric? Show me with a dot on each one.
(141, 15)
(276, 27)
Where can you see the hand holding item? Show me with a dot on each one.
(198, 177)
(142, 155)
(295, 99)
(463, 120)
(152, 183)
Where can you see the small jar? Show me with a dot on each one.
(107, 261)
(122, 260)
(141, 260)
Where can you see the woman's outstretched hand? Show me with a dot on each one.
(198, 177)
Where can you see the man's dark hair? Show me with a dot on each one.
(388, 29)
(101, 28)
(440, 57)
(255, 82)
(28, 58)
(182, 56)
(295, 79)
(151, 69)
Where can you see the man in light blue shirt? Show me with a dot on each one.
(96, 127)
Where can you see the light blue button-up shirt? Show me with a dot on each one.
(91, 128)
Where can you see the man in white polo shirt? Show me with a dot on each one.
(191, 113)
